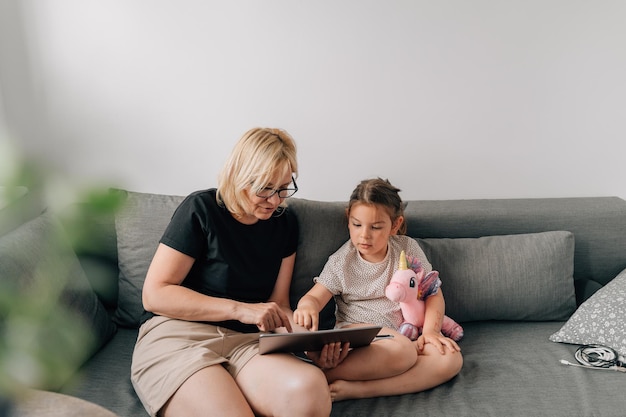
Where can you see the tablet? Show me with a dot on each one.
(314, 341)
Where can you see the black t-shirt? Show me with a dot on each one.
(232, 260)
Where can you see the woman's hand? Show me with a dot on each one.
(438, 340)
(331, 355)
(266, 316)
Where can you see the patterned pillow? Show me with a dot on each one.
(600, 320)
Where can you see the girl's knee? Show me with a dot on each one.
(403, 354)
(457, 359)
(451, 364)
(448, 364)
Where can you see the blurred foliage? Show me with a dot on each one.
(80, 221)
(42, 341)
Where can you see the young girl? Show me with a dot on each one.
(356, 275)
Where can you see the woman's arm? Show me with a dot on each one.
(162, 294)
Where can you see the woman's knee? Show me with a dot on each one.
(307, 394)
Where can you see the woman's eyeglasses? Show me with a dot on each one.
(282, 192)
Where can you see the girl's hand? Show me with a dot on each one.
(438, 340)
(330, 356)
(306, 317)
(309, 307)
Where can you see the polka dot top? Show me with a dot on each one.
(359, 285)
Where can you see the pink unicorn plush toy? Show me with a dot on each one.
(410, 287)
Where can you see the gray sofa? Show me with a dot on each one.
(521, 275)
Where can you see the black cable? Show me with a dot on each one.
(597, 356)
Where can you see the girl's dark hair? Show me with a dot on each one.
(381, 192)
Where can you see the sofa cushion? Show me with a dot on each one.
(19, 205)
(141, 222)
(91, 227)
(42, 284)
(509, 369)
(52, 404)
(139, 226)
(511, 277)
(600, 320)
(597, 222)
(323, 229)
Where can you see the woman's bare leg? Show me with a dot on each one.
(282, 385)
(211, 391)
(431, 369)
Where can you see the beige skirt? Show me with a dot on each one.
(168, 351)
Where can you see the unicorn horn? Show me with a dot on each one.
(402, 264)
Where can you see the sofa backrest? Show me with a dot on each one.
(598, 226)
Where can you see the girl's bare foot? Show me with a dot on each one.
(344, 390)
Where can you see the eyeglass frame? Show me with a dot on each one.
(279, 190)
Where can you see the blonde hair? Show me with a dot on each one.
(377, 191)
(260, 155)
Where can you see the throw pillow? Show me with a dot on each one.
(139, 226)
(510, 277)
(600, 320)
(45, 293)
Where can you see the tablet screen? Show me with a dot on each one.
(315, 341)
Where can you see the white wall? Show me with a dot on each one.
(447, 99)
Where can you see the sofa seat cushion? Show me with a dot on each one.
(105, 378)
(510, 369)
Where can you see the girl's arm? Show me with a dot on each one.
(309, 306)
(163, 295)
(435, 307)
